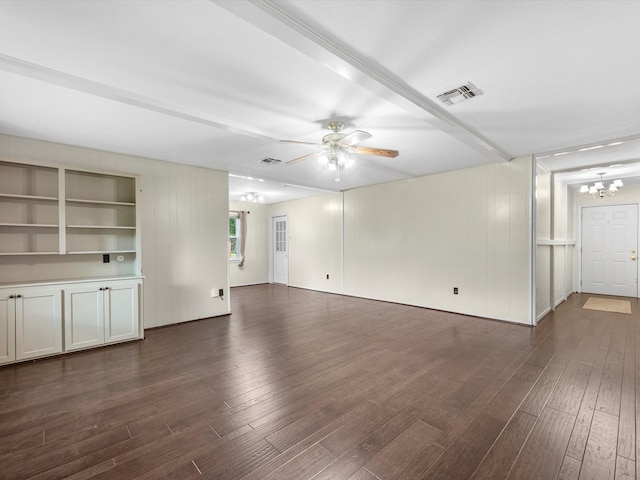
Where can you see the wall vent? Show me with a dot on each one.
(460, 94)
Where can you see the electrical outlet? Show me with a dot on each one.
(327, 276)
(221, 292)
(455, 290)
(106, 258)
(213, 293)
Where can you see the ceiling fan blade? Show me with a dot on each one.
(303, 143)
(304, 157)
(380, 152)
(354, 137)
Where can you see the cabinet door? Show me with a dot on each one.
(83, 316)
(7, 328)
(38, 322)
(121, 311)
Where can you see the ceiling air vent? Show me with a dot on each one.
(270, 161)
(460, 94)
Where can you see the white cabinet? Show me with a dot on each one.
(7, 327)
(101, 312)
(30, 323)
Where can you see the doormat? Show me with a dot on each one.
(608, 305)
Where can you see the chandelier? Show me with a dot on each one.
(598, 190)
(335, 159)
(252, 197)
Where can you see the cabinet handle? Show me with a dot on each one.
(106, 288)
(18, 296)
(12, 296)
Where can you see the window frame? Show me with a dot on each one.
(238, 237)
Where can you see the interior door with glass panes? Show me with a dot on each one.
(280, 250)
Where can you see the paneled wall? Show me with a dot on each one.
(184, 218)
(256, 266)
(315, 241)
(413, 241)
(544, 245)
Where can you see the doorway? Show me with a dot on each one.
(609, 250)
(280, 252)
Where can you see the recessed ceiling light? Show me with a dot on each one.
(590, 148)
(245, 177)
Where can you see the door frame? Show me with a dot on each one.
(272, 245)
(578, 258)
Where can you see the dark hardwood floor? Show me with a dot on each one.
(298, 384)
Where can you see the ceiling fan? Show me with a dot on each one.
(336, 147)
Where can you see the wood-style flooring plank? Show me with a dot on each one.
(599, 462)
(409, 446)
(580, 434)
(567, 396)
(625, 469)
(570, 469)
(500, 457)
(543, 452)
(626, 427)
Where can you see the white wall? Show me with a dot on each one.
(315, 241)
(555, 243)
(412, 241)
(256, 267)
(544, 248)
(184, 226)
(564, 284)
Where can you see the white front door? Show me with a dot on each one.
(609, 250)
(280, 250)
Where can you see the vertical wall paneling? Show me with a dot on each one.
(183, 229)
(315, 241)
(544, 246)
(413, 241)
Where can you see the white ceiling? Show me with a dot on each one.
(219, 83)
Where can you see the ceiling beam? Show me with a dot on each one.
(80, 84)
(339, 57)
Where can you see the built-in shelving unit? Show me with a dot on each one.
(49, 210)
(29, 205)
(100, 213)
(59, 227)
